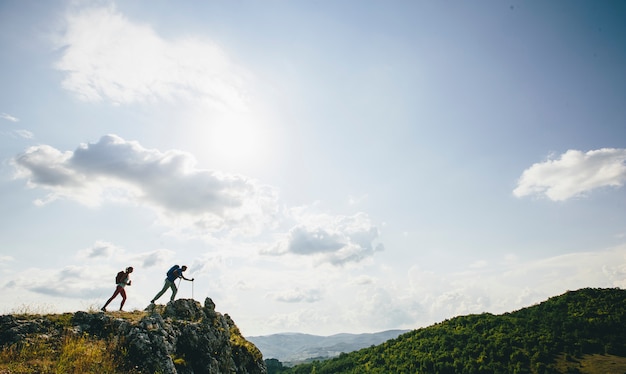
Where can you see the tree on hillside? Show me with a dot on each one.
(587, 321)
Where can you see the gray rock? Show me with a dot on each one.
(182, 337)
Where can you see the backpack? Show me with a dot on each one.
(172, 270)
(119, 277)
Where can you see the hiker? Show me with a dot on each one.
(121, 280)
(172, 274)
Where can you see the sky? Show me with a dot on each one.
(320, 166)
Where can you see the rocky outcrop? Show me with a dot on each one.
(181, 337)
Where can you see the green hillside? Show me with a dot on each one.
(580, 331)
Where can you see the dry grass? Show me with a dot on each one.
(64, 352)
(86, 355)
(33, 356)
(592, 364)
(133, 317)
(73, 354)
(32, 309)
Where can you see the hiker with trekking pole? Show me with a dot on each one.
(174, 273)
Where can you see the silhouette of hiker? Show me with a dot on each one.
(121, 279)
(172, 274)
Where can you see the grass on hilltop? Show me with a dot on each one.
(72, 354)
(66, 352)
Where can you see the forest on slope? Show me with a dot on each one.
(537, 339)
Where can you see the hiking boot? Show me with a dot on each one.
(103, 309)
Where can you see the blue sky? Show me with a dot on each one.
(320, 167)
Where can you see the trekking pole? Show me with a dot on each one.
(192, 290)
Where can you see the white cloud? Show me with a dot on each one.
(331, 239)
(294, 321)
(508, 286)
(100, 250)
(422, 296)
(152, 258)
(192, 202)
(298, 295)
(363, 280)
(73, 282)
(478, 264)
(574, 174)
(356, 200)
(115, 169)
(106, 56)
(24, 134)
(9, 117)
(109, 252)
(379, 308)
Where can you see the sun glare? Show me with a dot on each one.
(234, 141)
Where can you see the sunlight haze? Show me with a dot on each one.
(320, 167)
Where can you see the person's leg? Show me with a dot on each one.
(174, 291)
(165, 287)
(123, 293)
(117, 291)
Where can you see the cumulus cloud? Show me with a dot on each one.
(378, 307)
(294, 321)
(509, 285)
(152, 258)
(99, 250)
(298, 295)
(74, 282)
(102, 250)
(573, 174)
(363, 280)
(106, 56)
(333, 239)
(169, 182)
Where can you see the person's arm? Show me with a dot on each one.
(181, 275)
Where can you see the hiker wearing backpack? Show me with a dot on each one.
(121, 281)
(174, 273)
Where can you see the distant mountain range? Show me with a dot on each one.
(291, 348)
